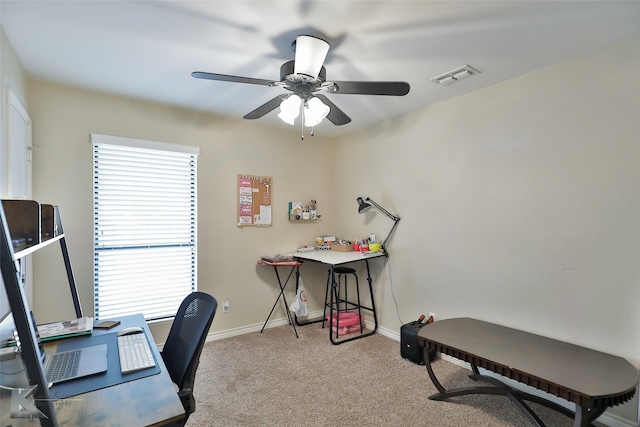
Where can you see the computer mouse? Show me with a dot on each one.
(130, 330)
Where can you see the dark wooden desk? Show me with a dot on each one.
(591, 379)
(148, 401)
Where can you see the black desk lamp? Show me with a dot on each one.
(363, 207)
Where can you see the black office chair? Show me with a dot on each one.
(181, 351)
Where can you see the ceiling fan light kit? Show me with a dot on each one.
(310, 55)
(290, 109)
(305, 76)
(314, 112)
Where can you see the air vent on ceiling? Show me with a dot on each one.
(454, 75)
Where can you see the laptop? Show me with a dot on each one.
(72, 364)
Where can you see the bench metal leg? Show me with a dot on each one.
(583, 417)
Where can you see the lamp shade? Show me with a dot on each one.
(310, 54)
(363, 206)
(290, 109)
(314, 111)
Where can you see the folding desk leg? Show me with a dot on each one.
(270, 313)
(284, 298)
(332, 292)
(373, 300)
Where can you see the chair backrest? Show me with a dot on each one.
(181, 351)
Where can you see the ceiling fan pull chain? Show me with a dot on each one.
(302, 121)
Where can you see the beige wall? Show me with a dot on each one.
(519, 202)
(227, 254)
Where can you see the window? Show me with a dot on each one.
(145, 226)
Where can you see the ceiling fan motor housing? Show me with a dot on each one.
(301, 82)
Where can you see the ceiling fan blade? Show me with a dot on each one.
(266, 107)
(228, 78)
(336, 115)
(372, 88)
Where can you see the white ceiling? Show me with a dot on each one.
(146, 50)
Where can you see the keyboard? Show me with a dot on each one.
(63, 366)
(135, 353)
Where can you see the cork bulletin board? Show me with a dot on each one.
(254, 201)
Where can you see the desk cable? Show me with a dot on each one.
(393, 295)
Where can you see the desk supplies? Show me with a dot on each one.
(345, 323)
(277, 257)
(65, 329)
(375, 247)
(342, 246)
(107, 324)
(297, 211)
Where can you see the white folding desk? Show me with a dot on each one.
(333, 259)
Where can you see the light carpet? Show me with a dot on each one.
(273, 379)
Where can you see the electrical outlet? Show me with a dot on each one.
(432, 315)
(225, 306)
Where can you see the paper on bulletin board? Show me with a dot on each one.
(254, 201)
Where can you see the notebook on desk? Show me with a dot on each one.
(66, 329)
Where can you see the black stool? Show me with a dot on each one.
(341, 272)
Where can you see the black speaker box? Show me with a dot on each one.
(410, 349)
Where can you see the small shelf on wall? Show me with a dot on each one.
(300, 212)
(304, 220)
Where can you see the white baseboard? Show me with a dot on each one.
(606, 418)
(256, 327)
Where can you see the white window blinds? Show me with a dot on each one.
(145, 226)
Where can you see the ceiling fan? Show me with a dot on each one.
(306, 77)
